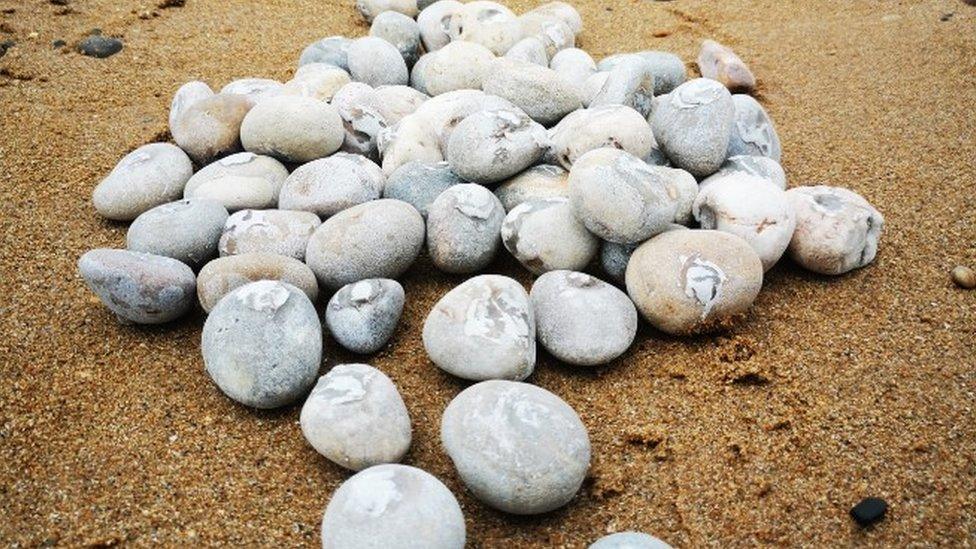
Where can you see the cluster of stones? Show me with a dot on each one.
(459, 129)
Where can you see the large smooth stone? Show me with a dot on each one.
(186, 95)
(378, 239)
(376, 62)
(459, 65)
(434, 22)
(211, 127)
(483, 329)
(420, 183)
(147, 177)
(517, 447)
(137, 287)
(669, 70)
(399, 30)
(544, 94)
(224, 275)
(490, 146)
(327, 186)
(283, 232)
(614, 126)
(537, 182)
(393, 505)
(239, 181)
(262, 344)
(487, 23)
(362, 316)
(186, 230)
(545, 235)
(693, 124)
(292, 128)
(331, 50)
(356, 418)
(463, 228)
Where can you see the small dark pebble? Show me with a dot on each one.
(869, 511)
(5, 45)
(59, 44)
(60, 2)
(100, 46)
(9, 10)
(946, 16)
(95, 32)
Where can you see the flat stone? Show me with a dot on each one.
(239, 181)
(629, 540)
(224, 275)
(139, 288)
(100, 46)
(362, 316)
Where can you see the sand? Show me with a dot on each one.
(833, 390)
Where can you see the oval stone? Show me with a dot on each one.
(376, 62)
(537, 182)
(753, 132)
(224, 275)
(283, 232)
(693, 125)
(362, 316)
(330, 185)
(541, 92)
(211, 127)
(147, 177)
(331, 50)
(545, 235)
(186, 230)
(490, 146)
(614, 126)
(239, 181)
(186, 95)
(463, 228)
(420, 183)
(292, 128)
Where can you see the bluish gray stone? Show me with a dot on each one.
(399, 30)
(186, 230)
(100, 46)
(753, 132)
(463, 228)
(614, 258)
(332, 50)
(420, 183)
(669, 70)
(362, 316)
(376, 62)
(693, 125)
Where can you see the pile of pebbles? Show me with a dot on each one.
(631, 190)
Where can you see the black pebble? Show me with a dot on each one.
(869, 511)
(5, 45)
(58, 44)
(60, 2)
(100, 46)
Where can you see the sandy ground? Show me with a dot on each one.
(835, 388)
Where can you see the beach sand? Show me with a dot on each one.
(834, 389)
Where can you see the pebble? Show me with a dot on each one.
(282, 232)
(964, 277)
(147, 177)
(630, 83)
(517, 447)
(186, 95)
(211, 127)
(262, 344)
(837, 230)
(753, 209)
(224, 275)
(443, 113)
(185, 230)
(457, 66)
(537, 182)
(592, 86)
(753, 132)
(561, 11)
(580, 319)
(292, 129)
(411, 139)
(100, 46)
(529, 50)
(869, 511)
(378, 239)
(332, 50)
(356, 418)
(614, 126)
(545, 235)
(420, 183)
(487, 23)
(483, 329)
(371, 8)
(693, 281)
(720, 63)
(139, 288)
(574, 65)
(417, 73)
(668, 68)
(614, 258)
(620, 198)
(376, 62)
(368, 111)
(316, 81)
(255, 90)
(492, 145)
(399, 30)
(463, 228)
(541, 92)
(239, 181)
(362, 316)
(553, 32)
(693, 124)
(757, 166)
(629, 540)
(393, 505)
(329, 185)
(435, 22)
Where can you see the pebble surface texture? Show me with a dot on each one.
(283, 232)
(420, 183)
(363, 315)
(356, 418)
(262, 344)
(693, 125)
(393, 506)
(545, 234)
(239, 181)
(186, 230)
(149, 176)
(222, 276)
(463, 228)
(517, 447)
(483, 329)
(115, 435)
(210, 128)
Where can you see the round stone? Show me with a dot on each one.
(629, 540)
(693, 281)
(434, 22)
(186, 95)
(283, 232)
(837, 230)
(211, 127)
(224, 275)
(541, 92)
(378, 239)
(580, 319)
(330, 185)
(362, 316)
(517, 447)
(537, 182)
(463, 228)
(186, 230)
(964, 277)
(629, 83)
(239, 181)
(545, 235)
(255, 90)
(692, 125)
(456, 66)
(356, 418)
(262, 344)
(620, 198)
(393, 505)
(331, 50)
(316, 81)
(399, 30)
(420, 183)
(614, 126)
(751, 208)
(752, 131)
(529, 50)
(411, 139)
(487, 23)
(292, 128)
(444, 112)
(757, 166)
(139, 288)
(490, 146)
(483, 329)
(371, 8)
(147, 177)
(376, 62)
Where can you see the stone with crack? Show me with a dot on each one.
(464, 228)
(292, 128)
(283, 232)
(239, 181)
(327, 186)
(517, 447)
(483, 329)
(492, 145)
(630, 83)
(149, 176)
(693, 281)
(224, 275)
(362, 316)
(544, 235)
(693, 125)
(186, 230)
